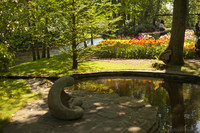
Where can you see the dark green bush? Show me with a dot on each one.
(6, 59)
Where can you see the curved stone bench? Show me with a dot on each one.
(62, 105)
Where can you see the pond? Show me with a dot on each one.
(22, 57)
(178, 103)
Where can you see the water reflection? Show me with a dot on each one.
(175, 92)
(178, 103)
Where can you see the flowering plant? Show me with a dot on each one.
(144, 47)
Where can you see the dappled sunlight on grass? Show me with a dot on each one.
(45, 67)
(61, 65)
(13, 95)
(191, 68)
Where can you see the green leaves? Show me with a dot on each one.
(6, 59)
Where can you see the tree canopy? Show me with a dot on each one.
(44, 23)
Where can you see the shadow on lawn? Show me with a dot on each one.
(3, 123)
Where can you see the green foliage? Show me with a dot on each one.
(144, 27)
(81, 18)
(188, 53)
(86, 53)
(83, 53)
(14, 94)
(91, 86)
(6, 58)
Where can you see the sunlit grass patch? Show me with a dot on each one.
(188, 67)
(60, 65)
(45, 67)
(191, 68)
(14, 94)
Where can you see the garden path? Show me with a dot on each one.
(140, 61)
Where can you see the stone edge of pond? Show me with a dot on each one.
(167, 75)
(170, 75)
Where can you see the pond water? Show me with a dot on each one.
(22, 57)
(178, 103)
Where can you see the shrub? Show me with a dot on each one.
(144, 27)
(5, 58)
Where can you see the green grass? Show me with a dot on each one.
(187, 68)
(44, 67)
(61, 65)
(14, 94)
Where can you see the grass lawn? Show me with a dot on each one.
(14, 94)
(60, 66)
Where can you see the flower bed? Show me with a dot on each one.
(143, 48)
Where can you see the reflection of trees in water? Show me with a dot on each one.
(175, 92)
(192, 106)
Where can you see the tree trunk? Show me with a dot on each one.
(44, 50)
(134, 27)
(74, 49)
(46, 39)
(123, 13)
(174, 53)
(85, 44)
(92, 43)
(124, 23)
(157, 12)
(35, 41)
(75, 62)
(37, 49)
(32, 45)
(33, 51)
(48, 52)
(114, 15)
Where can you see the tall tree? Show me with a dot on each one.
(47, 11)
(76, 18)
(73, 25)
(174, 52)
